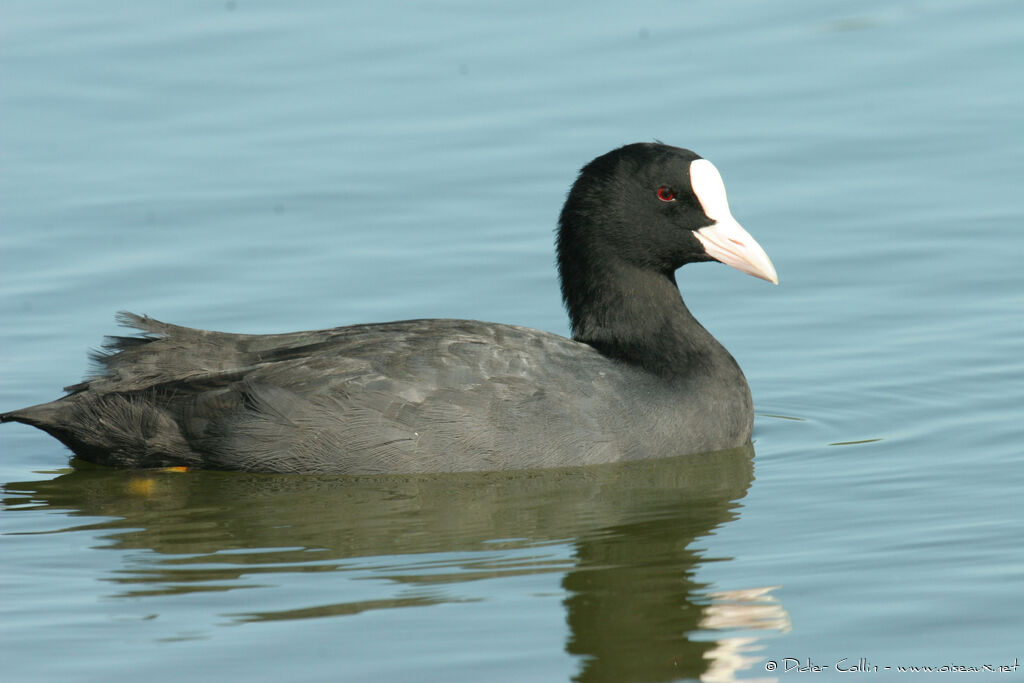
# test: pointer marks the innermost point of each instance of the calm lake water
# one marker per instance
(264, 167)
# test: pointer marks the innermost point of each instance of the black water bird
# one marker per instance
(640, 378)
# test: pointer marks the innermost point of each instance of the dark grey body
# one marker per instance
(641, 378)
(411, 396)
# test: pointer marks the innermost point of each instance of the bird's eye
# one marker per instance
(666, 194)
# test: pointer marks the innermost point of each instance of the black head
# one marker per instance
(635, 204)
(654, 207)
(640, 212)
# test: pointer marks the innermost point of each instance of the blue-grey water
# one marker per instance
(265, 167)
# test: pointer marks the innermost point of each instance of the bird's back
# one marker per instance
(417, 395)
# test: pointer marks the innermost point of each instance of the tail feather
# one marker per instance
(42, 416)
(160, 353)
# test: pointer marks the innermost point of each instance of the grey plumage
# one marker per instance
(640, 379)
(412, 396)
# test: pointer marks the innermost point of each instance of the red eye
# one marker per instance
(666, 194)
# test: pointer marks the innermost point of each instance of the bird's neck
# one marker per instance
(638, 316)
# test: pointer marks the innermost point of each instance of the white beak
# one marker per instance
(726, 240)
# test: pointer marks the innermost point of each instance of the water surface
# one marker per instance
(260, 168)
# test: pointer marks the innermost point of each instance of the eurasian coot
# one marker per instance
(640, 378)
